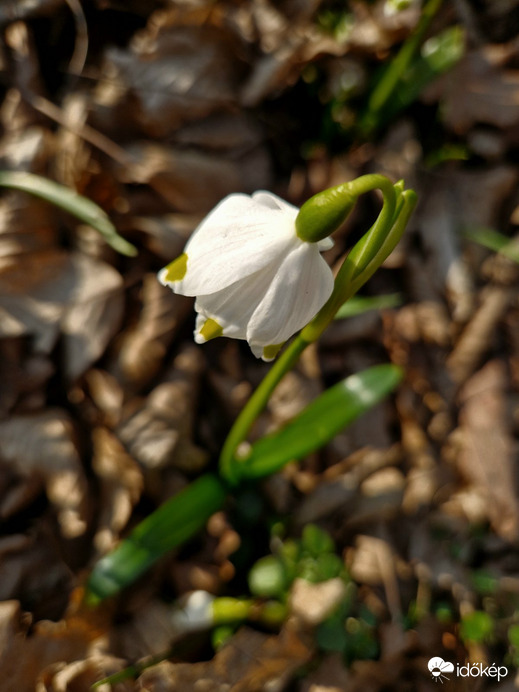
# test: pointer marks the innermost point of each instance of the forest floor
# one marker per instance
(156, 111)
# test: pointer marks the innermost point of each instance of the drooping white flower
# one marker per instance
(252, 275)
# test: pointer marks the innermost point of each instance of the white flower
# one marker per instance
(252, 276)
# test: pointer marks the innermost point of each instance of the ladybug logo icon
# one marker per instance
(438, 667)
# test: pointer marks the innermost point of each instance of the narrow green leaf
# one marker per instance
(407, 75)
(320, 421)
(170, 525)
(357, 305)
(438, 55)
(70, 201)
(494, 241)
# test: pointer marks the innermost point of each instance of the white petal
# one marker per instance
(272, 201)
(239, 237)
(302, 285)
(325, 244)
(233, 306)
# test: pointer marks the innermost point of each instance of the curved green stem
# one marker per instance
(254, 406)
(362, 254)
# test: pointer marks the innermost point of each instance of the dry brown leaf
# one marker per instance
(489, 92)
(486, 459)
(250, 662)
(29, 661)
(32, 571)
(194, 181)
(27, 225)
(79, 676)
(343, 492)
(478, 336)
(41, 446)
(142, 349)
(24, 377)
(373, 561)
(313, 603)
(164, 235)
(56, 292)
(159, 434)
(121, 486)
(451, 203)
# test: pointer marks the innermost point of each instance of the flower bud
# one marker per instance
(323, 213)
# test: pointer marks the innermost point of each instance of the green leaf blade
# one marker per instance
(170, 525)
(70, 201)
(493, 240)
(358, 305)
(321, 420)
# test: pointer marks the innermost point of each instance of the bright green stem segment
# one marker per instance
(363, 261)
(170, 525)
(367, 255)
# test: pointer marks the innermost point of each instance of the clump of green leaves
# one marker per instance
(312, 557)
(350, 630)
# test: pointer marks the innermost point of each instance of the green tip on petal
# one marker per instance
(270, 352)
(211, 329)
(323, 213)
(176, 270)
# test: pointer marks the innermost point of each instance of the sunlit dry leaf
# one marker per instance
(82, 674)
(172, 74)
(121, 485)
(49, 645)
(250, 662)
(143, 347)
(42, 445)
(486, 458)
(107, 395)
(477, 337)
(159, 434)
(292, 395)
(26, 74)
(52, 292)
(72, 152)
(330, 676)
(313, 603)
(374, 561)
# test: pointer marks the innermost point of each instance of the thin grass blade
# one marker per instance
(70, 201)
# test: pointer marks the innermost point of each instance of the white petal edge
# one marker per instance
(239, 237)
(325, 244)
(272, 201)
(301, 286)
(233, 306)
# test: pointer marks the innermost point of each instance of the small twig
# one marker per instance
(79, 56)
